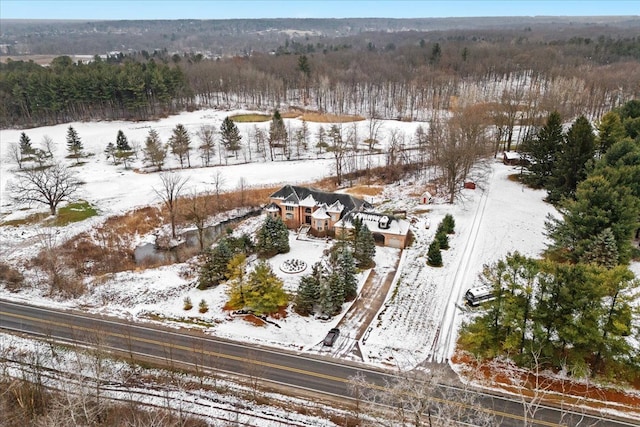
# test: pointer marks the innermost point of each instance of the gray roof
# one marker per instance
(294, 194)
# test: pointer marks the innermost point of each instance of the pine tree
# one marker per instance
(364, 245)
(277, 132)
(448, 224)
(602, 250)
(273, 237)
(122, 144)
(123, 151)
(155, 152)
(180, 143)
(542, 151)
(346, 270)
(264, 292)
(333, 296)
(74, 144)
(111, 152)
(308, 293)
(214, 265)
(230, 135)
(571, 165)
(443, 240)
(434, 257)
(598, 205)
(26, 150)
(610, 131)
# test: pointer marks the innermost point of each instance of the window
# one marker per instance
(289, 216)
(307, 210)
(289, 208)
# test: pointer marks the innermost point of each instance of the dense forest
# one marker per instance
(517, 75)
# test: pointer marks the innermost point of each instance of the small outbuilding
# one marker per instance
(470, 185)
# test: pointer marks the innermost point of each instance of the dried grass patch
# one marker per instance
(330, 118)
(364, 190)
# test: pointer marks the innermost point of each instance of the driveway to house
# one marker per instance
(358, 318)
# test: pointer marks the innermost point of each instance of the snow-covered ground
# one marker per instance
(419, 319)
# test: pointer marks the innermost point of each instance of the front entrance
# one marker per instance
(378, 238)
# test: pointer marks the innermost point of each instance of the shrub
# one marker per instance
(188, 305)
(203, 307)
(434, 257)
(448, 224)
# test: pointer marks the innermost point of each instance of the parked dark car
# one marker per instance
(331, 337)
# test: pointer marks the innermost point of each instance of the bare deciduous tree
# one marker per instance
(50, 186)
(169, 193)
(197, 212)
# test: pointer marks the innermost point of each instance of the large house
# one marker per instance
(322, 214)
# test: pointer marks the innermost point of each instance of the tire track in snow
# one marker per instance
(444, 343)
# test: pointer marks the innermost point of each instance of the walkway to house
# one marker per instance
(362, 312)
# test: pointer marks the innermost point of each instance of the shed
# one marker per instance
(470, 185)
(425, 198)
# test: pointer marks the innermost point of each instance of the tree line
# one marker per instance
(517, 82)
(32, 95)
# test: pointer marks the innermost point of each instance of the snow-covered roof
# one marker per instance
(373, 221)
(272, 207)
(295, 195)
(512, 155)
(321, 213)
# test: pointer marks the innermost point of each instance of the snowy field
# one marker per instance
(419, 319)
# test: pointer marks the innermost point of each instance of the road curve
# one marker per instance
(186, 348)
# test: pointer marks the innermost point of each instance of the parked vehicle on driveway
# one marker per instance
(476, 296)
(331, 337)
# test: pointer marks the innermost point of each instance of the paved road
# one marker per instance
(188, 348)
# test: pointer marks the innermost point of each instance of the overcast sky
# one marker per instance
(225, 9)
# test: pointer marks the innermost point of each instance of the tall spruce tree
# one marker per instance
(74, 144)
(123, 151)
(610, 131)
(362, 243)
(26, 149)
(571, 165)
(273, 237)
(155, 151)
(346, 270)
(214, 265)
(434, 256)
(277, 133)
(542, 151)
(601, 250)
(230, 135)
(180, 143)
(309, 291)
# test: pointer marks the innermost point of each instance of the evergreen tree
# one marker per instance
(123, 151)
(26, 150)
(122, 143)
(334, 294)
(230, 135)
(434, 257)
(362, 243)
(448, 224)
(571, 166)
(235, 277)
(602, 250)
(346, 270)
(180, 143)
(264, 292)
(111, 152)
(610, 131)
(273, 237)
(309, 292)
(74, 144)
(322, 140)
(542, 151)
(277, 133)
(598, 205)
(443, 240)
(214, 265)
(155, 152)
